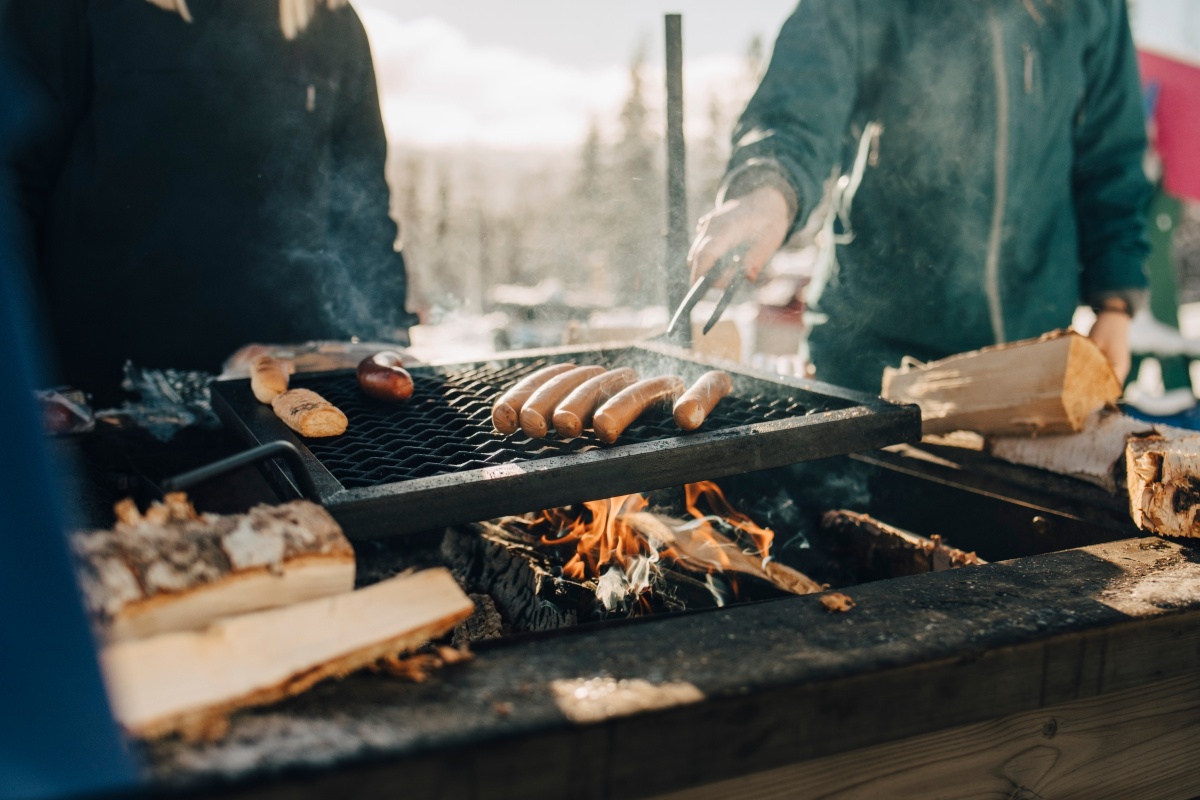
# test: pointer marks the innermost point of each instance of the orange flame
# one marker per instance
(603, 536)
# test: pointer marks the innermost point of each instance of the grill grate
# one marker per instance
(436, 460)
(446, 427)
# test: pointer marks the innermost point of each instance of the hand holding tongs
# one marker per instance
(730, 262)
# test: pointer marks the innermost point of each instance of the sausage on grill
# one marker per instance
(698, 402)
(575, 412)
(618, 413)
(506, 413)
(383, 377)
(536, 412)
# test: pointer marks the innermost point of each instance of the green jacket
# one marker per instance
(1006, 186)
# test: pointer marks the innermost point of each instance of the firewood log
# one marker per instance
(890, 552)
(1096, 454)
(172, 569)
(1163, 475)
(1049, 385)
(189, 681)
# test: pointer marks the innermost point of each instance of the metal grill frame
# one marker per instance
(429, 503)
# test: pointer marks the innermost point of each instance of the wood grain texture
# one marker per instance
(180, 681)
(1137, 743)
(172, 569)
(1048, 385)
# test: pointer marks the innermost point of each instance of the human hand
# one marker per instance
(1110, 332)
(754, 225)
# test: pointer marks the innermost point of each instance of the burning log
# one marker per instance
(518, 576)
(1049, 385)
(188, 682)
(172, 569)
(1164, 484)
(885, 551)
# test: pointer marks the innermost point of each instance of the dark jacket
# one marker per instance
(188, 188)
(1006, 186)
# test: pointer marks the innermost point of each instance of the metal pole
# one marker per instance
(677, 215)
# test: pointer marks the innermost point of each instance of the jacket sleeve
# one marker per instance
(45, 52)
(362, 233)
(1109, 186)
(793, 126)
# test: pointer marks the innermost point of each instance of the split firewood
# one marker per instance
(837, 602)
(891, 552)
(172, 569)
(1095, 455)
(189, 682)
(309, 414)
(1049, 385)
(1163, 476)
(715, 552)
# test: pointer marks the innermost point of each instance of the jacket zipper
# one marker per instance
(992, 264)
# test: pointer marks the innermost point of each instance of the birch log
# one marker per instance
(1049, 385)
(1096, 454)
(1163, 475)
(172, 569)
(188, 682)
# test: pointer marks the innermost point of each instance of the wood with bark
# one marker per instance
(1049, 385)
(885, 551)
(1096, 454)
(189, 682)
(1163, 474)
(172, 569)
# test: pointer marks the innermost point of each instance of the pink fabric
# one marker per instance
(1177, 118)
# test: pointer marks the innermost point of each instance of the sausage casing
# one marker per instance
(697, 402)
(535, 414)
(383, 377)
(625, 406)
(575, 412)
(506, 413)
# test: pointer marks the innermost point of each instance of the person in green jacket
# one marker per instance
(986, 159)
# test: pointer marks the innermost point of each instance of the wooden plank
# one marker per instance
(173, 570)
(183, 681)
(1037, 386)
(1137, 743)
(783, 682)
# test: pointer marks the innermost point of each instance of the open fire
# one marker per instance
(619, 543)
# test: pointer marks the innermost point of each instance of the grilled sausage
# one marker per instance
(698, 402)
(309, 414)
(506, 413)
(625, 406)
(535, 414)
(268, 378)
(575, 412)
(384, 377)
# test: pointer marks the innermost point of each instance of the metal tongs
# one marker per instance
(730, 262)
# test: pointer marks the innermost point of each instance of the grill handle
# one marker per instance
(261, 453)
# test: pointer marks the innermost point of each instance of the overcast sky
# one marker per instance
(532, 74)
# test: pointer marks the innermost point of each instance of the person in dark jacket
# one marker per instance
(201, 174)
(988, 158)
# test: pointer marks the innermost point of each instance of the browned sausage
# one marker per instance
(506, 413)
(698, 402)
(575, 412)
(383, 377)
(618, 413)
(538, 408)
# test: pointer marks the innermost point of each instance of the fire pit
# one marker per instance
(436, 460)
